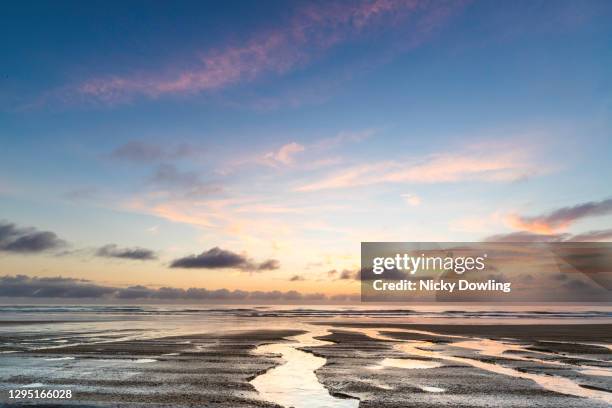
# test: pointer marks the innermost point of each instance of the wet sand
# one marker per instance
(467, 373)
(601, 333)
(34, 322)
(195, 370)
(340, 364)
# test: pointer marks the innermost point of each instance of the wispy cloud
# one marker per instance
(313, 29)
(173, 181)
(561, 218)
(471, 165)
(593, 236)
(412, 200)
(297, 156)
(246, 219)
(81, 194)
(344, 137)
(285, 155)
(526, 236)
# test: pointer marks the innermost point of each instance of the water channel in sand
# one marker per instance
(494, 348)
(294, 383)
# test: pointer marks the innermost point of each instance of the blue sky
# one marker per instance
(292, 131)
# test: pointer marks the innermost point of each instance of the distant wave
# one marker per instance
(325, 311)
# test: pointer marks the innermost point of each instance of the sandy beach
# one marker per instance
(244, 358)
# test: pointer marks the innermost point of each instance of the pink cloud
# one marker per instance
(215, 70)
(299, 157)
(412, 199)
(313, 29)
(285, 155)
(472, 164)
(560, 219)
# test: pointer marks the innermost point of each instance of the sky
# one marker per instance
(247, 148)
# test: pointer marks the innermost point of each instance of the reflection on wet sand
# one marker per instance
(597, 371)
(294, 383)
(406, 363)
(553, 383)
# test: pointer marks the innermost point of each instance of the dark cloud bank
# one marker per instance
(69, 288)
(24, 286)
(27, 240)
(217, 258)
